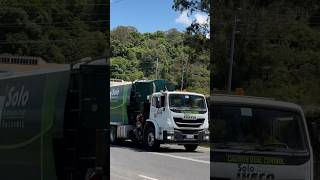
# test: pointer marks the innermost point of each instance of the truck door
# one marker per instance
(157, 108)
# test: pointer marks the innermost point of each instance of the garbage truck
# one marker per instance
(51, 123)
(260, 138)
(151, 112)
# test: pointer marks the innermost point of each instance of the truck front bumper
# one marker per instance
(185, 137)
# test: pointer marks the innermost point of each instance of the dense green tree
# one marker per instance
(56, 30)
(169, 55)
(276, 48)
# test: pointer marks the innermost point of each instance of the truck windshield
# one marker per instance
(185, 102)
(258, 128)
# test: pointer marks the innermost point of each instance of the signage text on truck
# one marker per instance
(259, 138)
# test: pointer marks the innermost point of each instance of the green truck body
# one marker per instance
(130, 97)
(52, 126)
(30, 110)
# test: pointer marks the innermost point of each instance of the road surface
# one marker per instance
(171, 162)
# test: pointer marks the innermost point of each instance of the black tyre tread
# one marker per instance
(112, 128)
(191, 147)
(156, 144)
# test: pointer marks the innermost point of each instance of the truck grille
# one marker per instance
(189, 131)
(188, 123)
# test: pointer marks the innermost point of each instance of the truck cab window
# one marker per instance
(258, 126)
(154, 101)
(163, 101)
(158, 103)
(182, 102)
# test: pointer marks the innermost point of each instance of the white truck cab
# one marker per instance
(259, 138)
(144, 113)
(179, 118)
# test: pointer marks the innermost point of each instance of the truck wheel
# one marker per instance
(190, 147)
(149, 140)
(113, 134)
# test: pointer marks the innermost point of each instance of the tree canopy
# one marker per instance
(170, 55)
(276, 48)
(56, 30)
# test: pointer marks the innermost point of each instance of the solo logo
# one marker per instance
(17, 97)
(247, 172)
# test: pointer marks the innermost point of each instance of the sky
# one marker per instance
(150, 15)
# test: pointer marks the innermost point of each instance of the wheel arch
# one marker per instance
(151, 123)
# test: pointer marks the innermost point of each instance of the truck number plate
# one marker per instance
(189, 136)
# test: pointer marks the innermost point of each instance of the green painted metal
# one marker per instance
(133, 95)
(52, 86)
(142, 89)
(32, 115)
(119, 100)
(28, 108)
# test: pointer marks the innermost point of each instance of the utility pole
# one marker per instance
(233, 36)
(157, 65)
(182, 75)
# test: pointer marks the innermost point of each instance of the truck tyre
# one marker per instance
(190, 147)
(113, 134)
(149, 141)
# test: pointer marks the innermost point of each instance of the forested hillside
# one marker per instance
(180, 57)
(277, 48)
(56, 30)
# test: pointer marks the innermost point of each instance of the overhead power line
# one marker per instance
(48, 41)
(54, 23)
(62, 13)
(48, 4)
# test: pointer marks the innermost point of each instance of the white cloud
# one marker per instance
(184, 19)
(201, 18)
(208, 35)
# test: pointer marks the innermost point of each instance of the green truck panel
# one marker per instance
(130, 97)
(28, 106)
(119, 100)
(44, 113)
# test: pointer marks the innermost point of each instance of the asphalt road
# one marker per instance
(171, 162)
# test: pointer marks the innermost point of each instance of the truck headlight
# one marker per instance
(206, 137)
(170, 137)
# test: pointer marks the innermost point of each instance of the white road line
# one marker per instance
(199, 157)
(118, 176)
(204, 149)
(180, 157)
(146, 177)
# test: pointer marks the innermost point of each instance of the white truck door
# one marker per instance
(156, 111)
